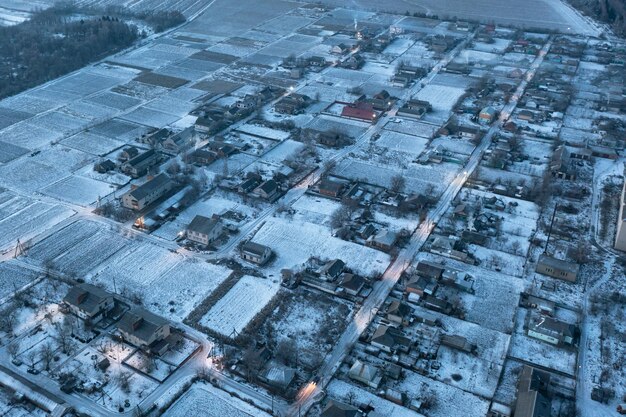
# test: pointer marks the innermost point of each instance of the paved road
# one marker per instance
(364, 316)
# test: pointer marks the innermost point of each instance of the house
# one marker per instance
(436, 304)
(551, 330)
(332, 139)
(128, 153)
(89, 302)
(421, 286)
(400, 81)
(330, 188)
(337, 409)
(560, 166)
(469, 132)
(139, 198)
(384, 240)
(429, 270)
(279, 376)
(180, 141)
(255, 253)
(353, 62)
(389, 339)
(360, 111)
(144, 329)
(340, 49)
(268, 190)
(105, 166)
(415, 109)
(205, 230)
(202, 157)
(317, 61)
(399, 313)
(463, 26)
(332, 270)
(620, 236)
(533, 398)
(292, 104)
(487, 115)
(459, 280)
(557, 268)
(543, 306)
(457, 68)
(250, 183)
(458, 342)
(351, 284)
(526, 115)
(139, 165)
(365, 374)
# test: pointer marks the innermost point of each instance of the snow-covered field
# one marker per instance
(400, 142)
(244, 301)
(205, 400)
(294, 242)
(79, 190)
(23, 218)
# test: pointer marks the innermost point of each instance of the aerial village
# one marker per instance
(330, 213)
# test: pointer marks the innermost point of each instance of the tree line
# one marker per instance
(62, 39)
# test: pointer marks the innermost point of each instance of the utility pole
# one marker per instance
(545, 250)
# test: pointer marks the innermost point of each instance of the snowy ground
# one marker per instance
(240, 305)
(294, 242)
(205, 400)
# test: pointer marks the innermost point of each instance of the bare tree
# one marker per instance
(397, 184)
(46, 353)
(123, 381)
(13, 349)
(286, 351)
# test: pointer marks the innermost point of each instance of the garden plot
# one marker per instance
(93, 143)
(327, 93)
(29, 103)
(149, 117)
(411, 127)
(28, 175)
(149, 365)
(9, 152)
(349, 393)
(205, 400)
(441, 97)
(89, 253)
(114, 100)
(137, 267)
(181, 289)
(454, 145)
(399, 46)
(14, 277)
(119, 129)
(285, 150)
(495, 176)
(449, 401)
(31, 221)
(234, 164)
(171, 106)
(263, 131)
(495, 297)
(480, 372)
(541, 353)
(232, 313)
(183, 73)
(62, 241)
(498, 46)
(79, 190)
(400, 142)
(9, 117)
(295, 242)
(90, 111)
(420, 178)
(469, 56)
(83, 83)
(315, 321)
(352, 128)
(60, 122)
(314, 209)
(29, 136)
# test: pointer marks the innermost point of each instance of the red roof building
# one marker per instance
(360, 111)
